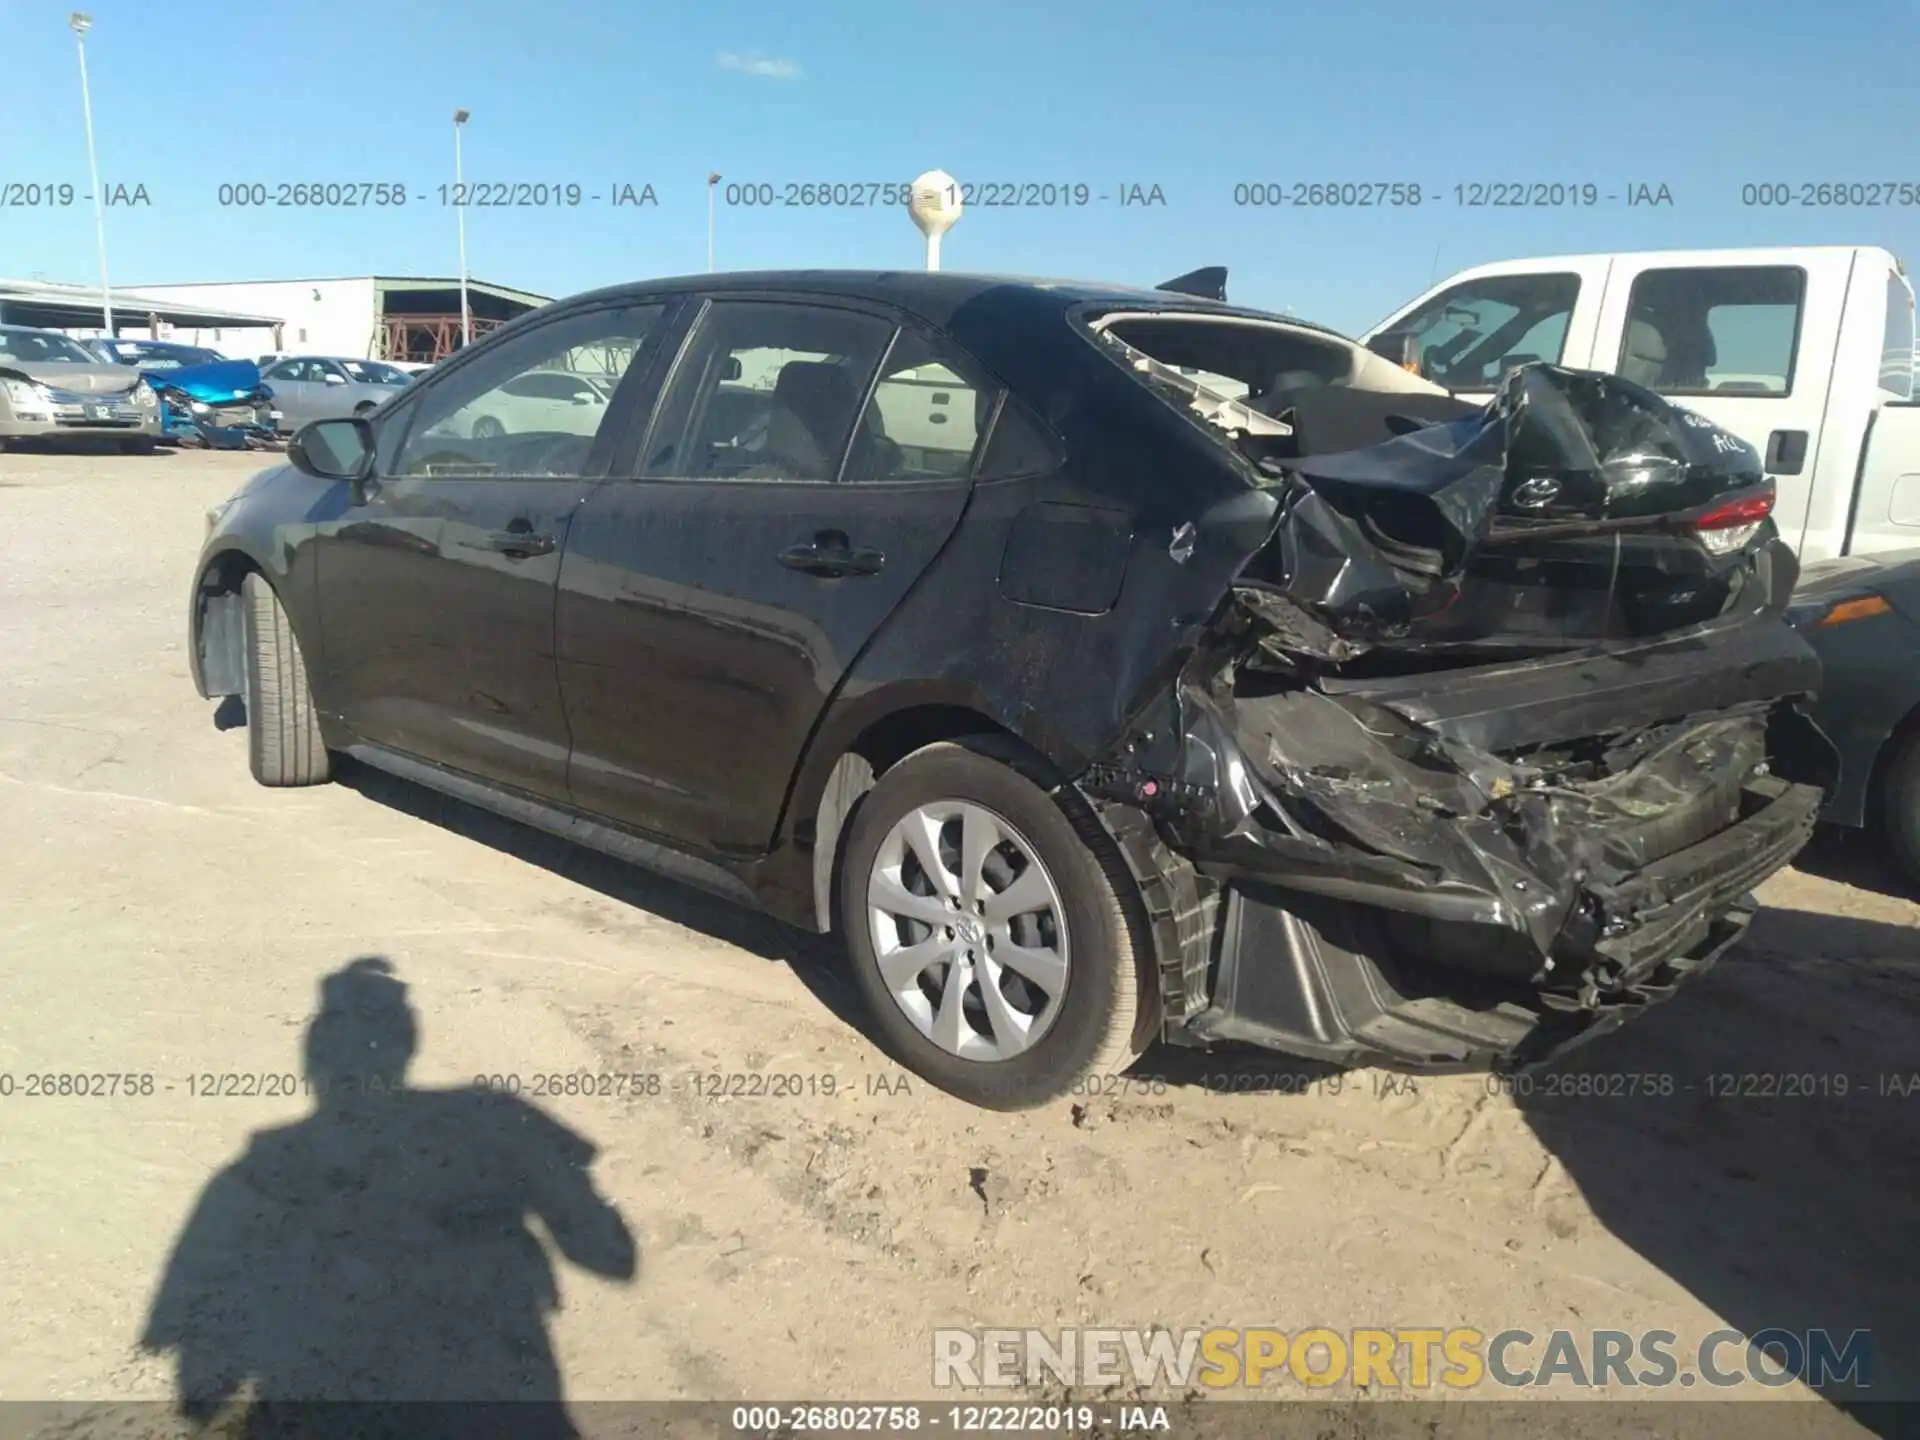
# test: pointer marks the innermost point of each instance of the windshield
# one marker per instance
(42, 347)
(372, 372)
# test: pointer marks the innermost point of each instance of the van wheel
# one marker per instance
(1899, 805)
(991, 928)
(283, 732)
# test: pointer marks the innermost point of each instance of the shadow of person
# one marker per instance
(1758, 1139)
(382, 1249)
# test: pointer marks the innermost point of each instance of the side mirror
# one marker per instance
(1402, 347)
(339, 449)
(732, 370)
(333, 379)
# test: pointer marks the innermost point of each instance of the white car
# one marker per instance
(550, 401)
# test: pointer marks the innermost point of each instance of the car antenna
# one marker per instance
(1209, 283)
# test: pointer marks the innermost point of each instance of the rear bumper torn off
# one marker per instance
(1315, 976)
(1390, 891)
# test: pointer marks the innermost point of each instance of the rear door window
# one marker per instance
(925, 417)
(1721, 330)
(1896, 345)
(766, 390)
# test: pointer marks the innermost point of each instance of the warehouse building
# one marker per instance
(77, 310)
(378, 317)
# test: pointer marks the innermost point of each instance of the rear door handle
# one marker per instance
(520, 544)
(829, 555)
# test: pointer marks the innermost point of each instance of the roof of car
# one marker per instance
(936, 295)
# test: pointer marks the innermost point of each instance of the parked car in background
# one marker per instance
(1806, 353)
(319, 387)
(1861, 614)
(54, 389)
(223, 405)
(1101, 708)
(541, 400)
(152, 354)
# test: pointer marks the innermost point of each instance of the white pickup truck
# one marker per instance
(1806, 353)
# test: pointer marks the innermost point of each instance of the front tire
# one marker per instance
(991, 929)
(283, 729)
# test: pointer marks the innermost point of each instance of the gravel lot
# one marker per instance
(162, 916)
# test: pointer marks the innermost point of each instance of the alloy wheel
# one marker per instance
(968, 929)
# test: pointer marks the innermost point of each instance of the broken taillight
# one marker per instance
(1726, 528)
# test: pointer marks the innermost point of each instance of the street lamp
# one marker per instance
(460, 209)
(80, 22)
(713, 179)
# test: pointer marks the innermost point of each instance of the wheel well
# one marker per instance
(219, 631)
(1873, 803)
(877, 749)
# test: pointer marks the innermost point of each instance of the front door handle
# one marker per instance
(830, 555)
(520, 544)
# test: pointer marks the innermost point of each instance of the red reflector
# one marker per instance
(1749, 510)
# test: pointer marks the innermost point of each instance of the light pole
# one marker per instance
(713, 179)
(460, 209)
(80, 22)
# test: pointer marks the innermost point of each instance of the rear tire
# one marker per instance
(1097, 1020)
(283, 730)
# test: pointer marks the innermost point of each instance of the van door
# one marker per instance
(1748, 344)
(1481, 323)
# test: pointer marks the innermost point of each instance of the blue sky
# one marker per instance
(1698, 95)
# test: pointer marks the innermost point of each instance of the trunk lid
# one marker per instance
(1576, 508)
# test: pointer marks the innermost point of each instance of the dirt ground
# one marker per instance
(162, 916)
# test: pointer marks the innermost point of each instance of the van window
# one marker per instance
(1474, 333)
(1896, 349)
(1726, 330)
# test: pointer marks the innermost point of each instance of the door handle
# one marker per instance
(830, 556)
(1786, 452)
(520, 544)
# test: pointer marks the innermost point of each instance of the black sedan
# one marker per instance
(1862, 615)
(1105, 665)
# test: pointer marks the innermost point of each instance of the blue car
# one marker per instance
(203, 395)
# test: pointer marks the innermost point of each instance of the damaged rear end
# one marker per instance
(1488, 742)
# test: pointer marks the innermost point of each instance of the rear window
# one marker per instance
(1468, 337)
(1722, 330)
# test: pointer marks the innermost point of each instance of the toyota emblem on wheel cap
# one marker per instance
(1537, 493)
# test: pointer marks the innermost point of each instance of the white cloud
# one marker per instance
(765, 67)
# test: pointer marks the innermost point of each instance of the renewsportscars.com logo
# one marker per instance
(1401, 1358)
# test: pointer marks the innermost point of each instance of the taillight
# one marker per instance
(1726, 528)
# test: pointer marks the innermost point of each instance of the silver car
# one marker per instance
(325, 387)
(51, 388)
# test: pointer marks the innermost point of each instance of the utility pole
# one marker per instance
(460, 208)
(80, 22)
